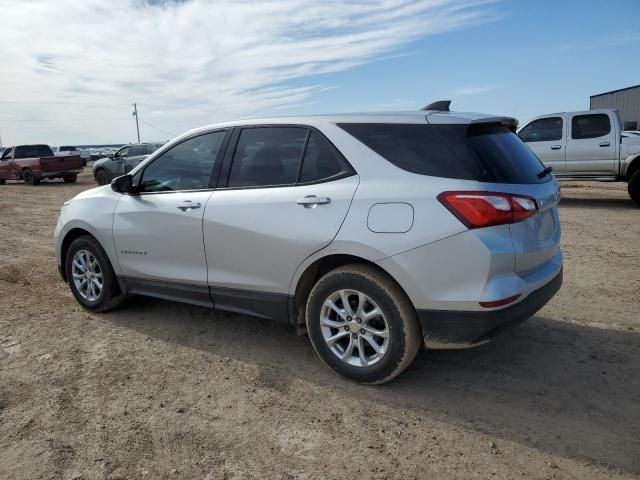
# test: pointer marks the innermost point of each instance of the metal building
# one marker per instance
(625, 100)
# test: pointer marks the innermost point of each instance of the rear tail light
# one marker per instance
(485, 209)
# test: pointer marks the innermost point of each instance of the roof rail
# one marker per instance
(439, 106)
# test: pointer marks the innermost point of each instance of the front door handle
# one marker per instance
(188, 205)
(311, 201)
(556, 147)
(605, 144)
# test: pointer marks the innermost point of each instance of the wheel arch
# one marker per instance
(69, 237)
(73, 234)
(633, 165)
(317, 268)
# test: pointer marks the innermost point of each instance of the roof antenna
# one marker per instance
(439, 106)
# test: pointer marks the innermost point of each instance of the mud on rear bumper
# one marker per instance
(463, 329)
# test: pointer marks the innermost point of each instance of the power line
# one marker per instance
(158, 129)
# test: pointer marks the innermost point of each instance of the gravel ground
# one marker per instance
(159, 390)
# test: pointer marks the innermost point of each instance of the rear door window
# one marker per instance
(590, 126)
(483, 152)
(543, 130)
(266, 156)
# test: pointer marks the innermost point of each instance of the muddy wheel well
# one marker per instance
(633, 168)
(70, 237)
(312, 274)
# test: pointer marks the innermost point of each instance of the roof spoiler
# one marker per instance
(509, 122)
(439, 106)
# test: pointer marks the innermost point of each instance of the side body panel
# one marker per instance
(156, 239)
(256, 237)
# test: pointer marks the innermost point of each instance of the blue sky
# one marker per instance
(538, 57)
(197, 62)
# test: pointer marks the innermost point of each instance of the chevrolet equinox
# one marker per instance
(376, 233)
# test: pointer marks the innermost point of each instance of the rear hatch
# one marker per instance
(503, 163)
(475, 159)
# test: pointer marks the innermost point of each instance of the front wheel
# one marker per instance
(634, 187)
(90, 275)
(101, 177)
(362, 324)
(70, 178)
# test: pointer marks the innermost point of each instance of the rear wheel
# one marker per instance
(90, 275)
(70, 178)
(101, 177)
(634, 187)
(29, 178)
(2, 181)
(362, 324)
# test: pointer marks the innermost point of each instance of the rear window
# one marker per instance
(67, 149)
(31, 151)
(590, 126)
(483, 152)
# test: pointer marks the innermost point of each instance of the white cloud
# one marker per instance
(473, 90)
(74, 67)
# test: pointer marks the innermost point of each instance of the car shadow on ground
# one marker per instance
(563, 388)
(605, 203)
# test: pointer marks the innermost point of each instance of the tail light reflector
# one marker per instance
(500, 303)
(486, 209)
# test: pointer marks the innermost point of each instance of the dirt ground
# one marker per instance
(159, 390)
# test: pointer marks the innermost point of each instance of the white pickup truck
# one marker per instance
(587, 145)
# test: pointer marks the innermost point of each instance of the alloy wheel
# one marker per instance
(87, 275)
(354, 328)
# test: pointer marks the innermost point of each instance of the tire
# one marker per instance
(109, 295)
(101, 177)
(70, 178)
(634, 187)
(2, 181)
(398, 320)
(29, 178)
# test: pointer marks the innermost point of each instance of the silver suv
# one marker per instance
(376, 233)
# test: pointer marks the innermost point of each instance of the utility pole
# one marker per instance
(135, 114)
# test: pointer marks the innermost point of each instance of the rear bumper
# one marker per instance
(463, 329)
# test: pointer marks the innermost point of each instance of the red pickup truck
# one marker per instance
(33, 163)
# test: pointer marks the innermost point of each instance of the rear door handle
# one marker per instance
(311, 201)
(556, 147)
(605, 144)
(188, 205)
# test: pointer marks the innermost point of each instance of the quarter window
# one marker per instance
(267, 156)
(542, 130)
(186, 166)
(321, 160)
(590, 126)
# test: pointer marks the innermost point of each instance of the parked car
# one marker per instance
(69, 150)
(33, 163)
(122, 161)
(587, 145)
(374, 232)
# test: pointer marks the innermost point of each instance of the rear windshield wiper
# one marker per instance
(545, 172)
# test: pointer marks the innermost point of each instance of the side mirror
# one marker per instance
(110, 156)
(123, 184)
